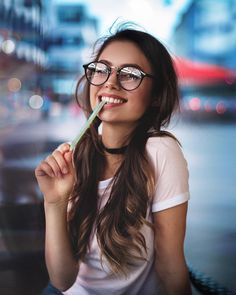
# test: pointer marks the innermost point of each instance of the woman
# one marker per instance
(116, 207)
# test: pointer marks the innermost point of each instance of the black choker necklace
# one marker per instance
(114, 151)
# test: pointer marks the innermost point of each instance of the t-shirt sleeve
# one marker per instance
(171, 173)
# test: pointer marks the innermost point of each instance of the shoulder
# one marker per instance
(170, 171)
(163, 145)
(165, 153)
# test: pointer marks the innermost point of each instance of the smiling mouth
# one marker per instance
(110, 100)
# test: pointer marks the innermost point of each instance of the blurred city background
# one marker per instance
(43, 45)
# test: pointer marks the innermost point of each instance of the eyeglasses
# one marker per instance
(129, 77)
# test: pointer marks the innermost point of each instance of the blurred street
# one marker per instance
(209, 150)
(211, 235)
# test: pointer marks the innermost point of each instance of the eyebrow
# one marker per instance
(122, 65)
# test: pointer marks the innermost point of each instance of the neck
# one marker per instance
(115, 136)
(115, 151)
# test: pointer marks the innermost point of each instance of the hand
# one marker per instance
(56, 175)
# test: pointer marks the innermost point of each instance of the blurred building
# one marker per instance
(42, 48)
(207, 32)
(21, 56)
(69, 34)
(21, 35)
(205, 40)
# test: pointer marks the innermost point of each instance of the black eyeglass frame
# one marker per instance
(143, 74)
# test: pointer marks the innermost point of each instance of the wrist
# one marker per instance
(59, 204)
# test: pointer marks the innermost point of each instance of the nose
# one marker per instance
(112, 81)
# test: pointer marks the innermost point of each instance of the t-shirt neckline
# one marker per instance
(104, 183)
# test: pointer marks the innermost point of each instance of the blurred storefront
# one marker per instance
(69, 34)
(22, 57)
(42, 47)
(207, 32)
(205, 42)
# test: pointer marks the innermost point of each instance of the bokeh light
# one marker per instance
(36, 102)
(221, 108)
(195, 104)
(14, 84)
(8, 46)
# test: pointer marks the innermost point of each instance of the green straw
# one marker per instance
(87, 124)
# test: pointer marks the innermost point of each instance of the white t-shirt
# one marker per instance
(171, 179)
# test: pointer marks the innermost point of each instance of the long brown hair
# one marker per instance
(119, 222)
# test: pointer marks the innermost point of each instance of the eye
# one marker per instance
(129, 74)
(97, 69)
(101, 69)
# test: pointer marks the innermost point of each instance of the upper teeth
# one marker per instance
(111, 99)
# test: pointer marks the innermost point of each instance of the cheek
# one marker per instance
(139, 107)
(92, 96)
(142, 101)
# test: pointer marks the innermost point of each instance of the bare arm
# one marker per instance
(171, 268)
(55, 176)
(61, 263)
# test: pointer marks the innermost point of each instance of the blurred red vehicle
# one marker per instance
(207, 90)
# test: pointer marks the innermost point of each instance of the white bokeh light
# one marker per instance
(36, 102)
(8, 46)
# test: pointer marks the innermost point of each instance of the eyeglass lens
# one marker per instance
(98, 73)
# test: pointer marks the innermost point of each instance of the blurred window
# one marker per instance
(226, 28)
(70, 14)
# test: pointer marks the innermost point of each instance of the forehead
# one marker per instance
(124, 52)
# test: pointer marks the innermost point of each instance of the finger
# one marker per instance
(44, 170)
(61, 161)
(69, 159)
(64, 147)
(51, 161)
